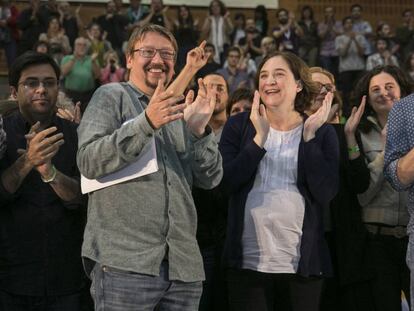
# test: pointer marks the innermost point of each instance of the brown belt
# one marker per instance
(398, 231)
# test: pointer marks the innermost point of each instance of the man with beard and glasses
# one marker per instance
(288, 32)
(140, 243)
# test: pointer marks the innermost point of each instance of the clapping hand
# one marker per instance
(198, 112)
(42, 146)
(74, 116)
(163, 107)
(355, 117)
(258, 116)
(315, 121)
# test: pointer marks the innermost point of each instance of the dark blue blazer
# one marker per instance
(318, 179)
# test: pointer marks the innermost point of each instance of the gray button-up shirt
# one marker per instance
(134, 225)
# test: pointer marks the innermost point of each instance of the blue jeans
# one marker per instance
(117, 290)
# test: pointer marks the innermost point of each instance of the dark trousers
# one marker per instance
(214, 296)
(12, 302)
(391, 275)
(256, 291)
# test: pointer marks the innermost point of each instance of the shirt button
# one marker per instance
(169, 183)
(149, 135)
(165, 157)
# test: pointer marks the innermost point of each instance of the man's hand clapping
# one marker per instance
(198, 112)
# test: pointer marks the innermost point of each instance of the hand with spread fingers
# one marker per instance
(258, 116)
(199, 111)
(316, 120)
(42, 146)
(351, 126)
(355, 117)
(164, 107)
(197, 58)
(74, 116)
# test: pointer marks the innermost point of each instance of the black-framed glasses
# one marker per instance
(150, 53)
(328, 86)
(33, 83)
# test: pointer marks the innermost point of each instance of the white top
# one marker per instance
(274, 211)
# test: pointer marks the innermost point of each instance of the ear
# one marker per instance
(13, 92)
(129, 60)
(299, 86)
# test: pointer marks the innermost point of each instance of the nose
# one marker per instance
(271, 79)
(41, 88)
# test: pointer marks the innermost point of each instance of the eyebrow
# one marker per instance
(277, 69)
(388, 83)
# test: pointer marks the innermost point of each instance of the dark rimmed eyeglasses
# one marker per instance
(150, 53)
(33, 83)
(328, 86)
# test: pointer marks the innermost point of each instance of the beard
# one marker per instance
(154, 84)
(219, 108)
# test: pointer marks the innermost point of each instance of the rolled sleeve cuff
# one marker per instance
(202, 143)
(142, 125)
(391, 173)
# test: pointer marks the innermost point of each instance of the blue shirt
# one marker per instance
(400, 140)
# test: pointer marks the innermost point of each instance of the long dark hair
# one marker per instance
(181, 22)
(362, 89)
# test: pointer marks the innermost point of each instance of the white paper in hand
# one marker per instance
(145, 164)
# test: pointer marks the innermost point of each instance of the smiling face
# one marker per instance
(325, 85)
(38, 103)
(145, 72)
(277, 85)
(383, 92)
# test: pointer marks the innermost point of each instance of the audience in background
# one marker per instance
(351, 48)
(186, 33)
(70, 22)
(261, 20)
(80, 71)
(382, 57)
(328, 30)
(288, 32)
(404, 34)
(236, 72)
(59, 44)
(309, 41)
(98, 43)
(112, 70)
(217, 29)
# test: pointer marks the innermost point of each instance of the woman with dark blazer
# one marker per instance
(281, 171)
